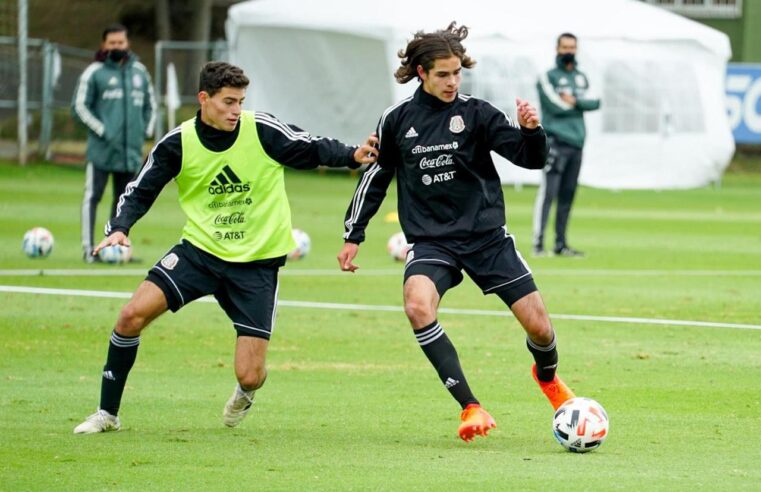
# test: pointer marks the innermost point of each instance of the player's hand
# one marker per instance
(367, 153)
(346, 255)
(527, 115)
(117, 237)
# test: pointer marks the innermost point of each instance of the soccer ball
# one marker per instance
(580, 425)
(303, 244)
(38, 242)
(115, 253)
(397, 246)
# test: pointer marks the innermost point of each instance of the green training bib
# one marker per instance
(235, 200)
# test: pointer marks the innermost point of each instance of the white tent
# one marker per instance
(327, 66)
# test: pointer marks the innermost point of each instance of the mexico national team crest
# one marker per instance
(456, 124)
(170, 261)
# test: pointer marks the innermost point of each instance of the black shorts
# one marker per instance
(490, 259)
(246, 291)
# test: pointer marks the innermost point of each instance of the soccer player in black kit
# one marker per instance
(452, 210)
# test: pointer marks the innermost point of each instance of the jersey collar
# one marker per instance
(433, 102)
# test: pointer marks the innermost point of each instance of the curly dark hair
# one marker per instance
(426, 48)
(216, 75)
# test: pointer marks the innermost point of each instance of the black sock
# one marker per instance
(122, 352)
(546, 358)
(443, 356)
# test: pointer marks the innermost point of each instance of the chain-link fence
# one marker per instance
(53, 71)
(176, 78)
(9, 17)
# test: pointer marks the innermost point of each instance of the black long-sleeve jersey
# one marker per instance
(447, 184)
(286, 144)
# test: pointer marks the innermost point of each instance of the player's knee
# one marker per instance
(418, 311)
(130, 322)
(542, 334)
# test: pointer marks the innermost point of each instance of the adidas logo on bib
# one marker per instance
(227, 182)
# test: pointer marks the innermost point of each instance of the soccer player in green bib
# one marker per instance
(228, 164)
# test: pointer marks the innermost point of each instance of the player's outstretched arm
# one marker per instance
(293, 147)
(346, 255)
(117, 237)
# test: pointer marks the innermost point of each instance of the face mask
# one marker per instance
(117, 55)
(566, 58)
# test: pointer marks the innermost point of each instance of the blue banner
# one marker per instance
(744, 102)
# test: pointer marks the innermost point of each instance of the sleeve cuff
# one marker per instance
(530, 132)
(351, 163)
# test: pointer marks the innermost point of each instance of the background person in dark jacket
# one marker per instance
(563, 98)
(114, 100)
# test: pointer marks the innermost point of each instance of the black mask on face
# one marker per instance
(566, 58)
(117, 55)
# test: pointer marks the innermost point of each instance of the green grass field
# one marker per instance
(351, 403)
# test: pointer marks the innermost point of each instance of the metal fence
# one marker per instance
(175, 78)
(702, 9)
(52, 73)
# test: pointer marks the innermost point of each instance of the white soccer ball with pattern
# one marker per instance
(580, 425)
(38, 242)
(303, 244)
(397, 246)
(115, 254)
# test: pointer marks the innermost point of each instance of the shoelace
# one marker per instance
(239, 405)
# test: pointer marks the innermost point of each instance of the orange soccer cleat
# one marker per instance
(556, 390)
(475, 421)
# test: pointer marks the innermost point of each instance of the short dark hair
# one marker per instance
(216, 75)
(566, 35)
(113, 28)
(426, 48)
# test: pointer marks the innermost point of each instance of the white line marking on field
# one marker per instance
(334, 272)
(376, 307)
(651, 273)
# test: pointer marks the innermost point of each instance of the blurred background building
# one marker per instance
(738, 19)
(173, 38)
